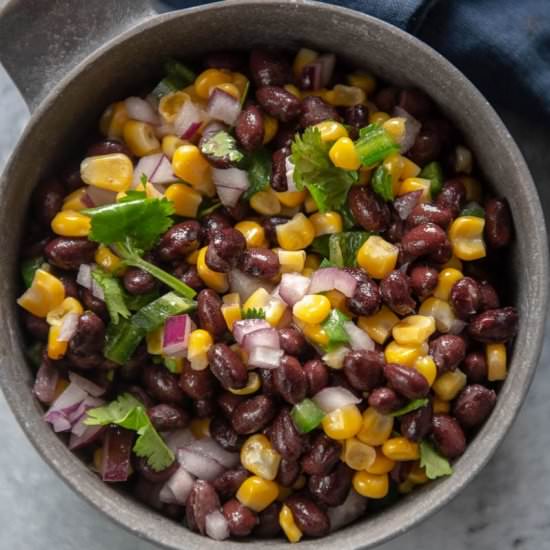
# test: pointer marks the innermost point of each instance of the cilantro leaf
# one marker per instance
(347, 217)
(433, 172)
(381, 183)
(207, 206)
(313, 169)
(434, 464)
(374, 145)
(343, 247)
(114, 294)
(134, 302)
(151, 446)
(334, 327)
(116, 412)
(412, 406)
(473, 209)
(253, 313)
(29, 268)
(223, 146)
(320, 246)
(258, 166)
(325, 262)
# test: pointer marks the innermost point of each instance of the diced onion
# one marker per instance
(200, 466)
(358, 338)
(291, 184)
(189, 120)
(156, 168)
(99, 197)
(244, 285)
(216, 525)
(178, 439)
(265, 358)
(139, 109)
(330, 278)
(66, 404)
(412, 129)
(335, 397)
(84, 276)
(69, 324)
(86, 385)
(335, 359)
(223, 106)
(246, 326)
(405, 204)
(177, 488)
(266, 337)
(293, 287)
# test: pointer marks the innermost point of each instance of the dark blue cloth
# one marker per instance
(503, 46)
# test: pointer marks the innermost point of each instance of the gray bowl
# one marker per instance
(68, 85)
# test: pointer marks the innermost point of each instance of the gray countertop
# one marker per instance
(506, 507)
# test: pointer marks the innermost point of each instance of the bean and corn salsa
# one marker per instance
(265, 297)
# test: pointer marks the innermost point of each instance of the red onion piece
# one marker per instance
(330, 278)
(335, 359)
(178, 439)
(139, 109)
(207, 447)
(156, 168)
(265, 358)
(59, 414)
(88, 403)
(46, 382)
(69, 324)
(266, 337)
(163, 173)
(117, 449)
(335, 397)
(412, 129)
(89, 435)
(192, 130)
(404, 204)
(200, 466)
(188, 120)
(293, 287)
(86, 385)
(327, 62)
(223, 106)
(353, 507)
(246, 326)
(177, 488)
(358, 338)
(175, 335)
(244, 285)
(216, 526)
(99, 197)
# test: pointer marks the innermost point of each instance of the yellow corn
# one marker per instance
(382, 464)
(56, 349)
(404, 355)
(192, 257)
(378, 117)
(454, 262)
(417, 184)
(313, 261)
(447, 279)
(310, 205)
(315, 334)
(312, 309)
(327, 223)
(170, 144)
(293, 90)
(291, 261)
(209, 79)
(113, 120)
(154, 340)
(265, 203)
(440, 406)
(343, 154)
(365, 81)
(113, 172)
(241, 82)
(73, 201)
(232, 299)
(331, 130)
(466, 236)
(379, 326)
(69, 223)
(304, 57)
(186, 201)
(200, 427)
(338, 301)
(140, 138)
(427, 368)
(371, 485)
(291, 199)
(271, 125)
(46, 293)
(358, 455)
(308, 272)
(229, 88)
(68, 305)
(296, 234)
(410, 169)
(200, 341)
(257, 300)
(394, 165)
(288, 525)
(400, 448)
(344, 96)
(213, 279)
(170, 105)
(448, 385)
(190, 165)
(375, 427)
(473, 189)
(231, 313)
(418, 475)
(342, 423)
(413, 330)
(377, 257)
(395, 126)
(441, 311)
(190, 91)
(253, 384)
(274, 311)
(253, 233)
(495, 355)
(259, 457)
(107, 259)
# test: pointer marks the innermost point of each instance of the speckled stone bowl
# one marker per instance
(71, 58)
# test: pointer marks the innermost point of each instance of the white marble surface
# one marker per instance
(506, 507)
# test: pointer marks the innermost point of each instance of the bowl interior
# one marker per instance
(121, 67)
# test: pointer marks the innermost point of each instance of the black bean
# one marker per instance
(285, 438)
(364, 369)
(278, 179)
(229, 244)
(190, 276)
(89, 301)
(253, 414)
(108, 147)
(260, 262)
(322, 456)
(366, 299)
(424, 239)
(416, 425)
(315, 110)
(331, 489)
(423, 280)
(202, 500)
(268, 526)
(386, 98)
(357, 117)
(270, 224)
(138, 281)
(385, 400)
(228, 482)
(289, 380)
(249, 128)
(310, 518)
(488, 297)
(142, 466)
(279, 102)
(180, 240)
(228, 402)
(86, 345)
(316, 376)
(406, 381)
(197, 384)
(70, 253)
(427, 212)
(209, 312)
(240, 519)
(215, 221)
(395, 290)
(426, 148)
(494, 325)
(222, 432)
(162, 385)
(37, 327)
(448, 351)
(292, 341)
(227, 367)
(498, 223)
(415, 102)
(465, 297)
(448, 436)
(473, 405)
(269, 68)
(369, 211)
(204, 408)
(475, 367)
(47, 200)
(167, 417)
(452, 196)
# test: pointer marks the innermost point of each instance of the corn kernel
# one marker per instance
(68, 305)
(413, 330)
(230, 89)
(292, 199)
(210, 79)
(257, 300)
(379, 326)
(381, 464)
(410, 169)
(113, 120)
(265, 203)
(171, 104)
(342, 423)
(473, 189)
(417, 184)
(427, 368)
(200, 341)
(69, 223)
(343, 154)
(345, 96)
(186, 201)
(313, 261)
(190, 165)
(315, 334)
(169, 145)
(404, 355)
(440, 406)
(288, 525)
(113, 172)
(447, 279)
(190, 91)
(231, 313)
(275, 311)
(331, 130)
(400, 449)
(304, 57)
(371, 485)
(296, 234)
(448, 385)
(394, 165)
(140, 138)
(253, 384)
(495, 356)
(441, 311)
(378, 117)
(375, 427)
(362, 80)
(290, 88)
(154, 340)
(107, 259)
(327, 223)
(357, 455)
(310, 205)
(45, 293)
(308, 272)
(454, 262)
(253, 233)
(338, 301)
(73, 201)
(213, 279)
(200, 427)
(312, 309)
(466, 236)
(56, 349)
(291, 261)
(232, 299)
(271, 126)
(395, 126)
(259, 457)
(418, 475)
(377, 257)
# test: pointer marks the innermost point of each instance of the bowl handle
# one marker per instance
(40, 42)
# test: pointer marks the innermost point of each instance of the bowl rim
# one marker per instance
(138, 519)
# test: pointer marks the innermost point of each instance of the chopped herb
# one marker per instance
(343, 247)
(253, 313)
(381, 183)
(178, 76)
(433, 172)
(34, 353)
(313, 169)
(221, 145)
(412, 406)
(207, 207)
(434, 464)
(325, 262)
(130, 413)
(306, 415)
(172, 364)
(374, 145)
(258, 166)
(153, 315)
(334, 327)
(347, 217)
(134, 302)
(114, 294)
(320, 245)
(29, 268)
(121, 341)
(473, 209)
